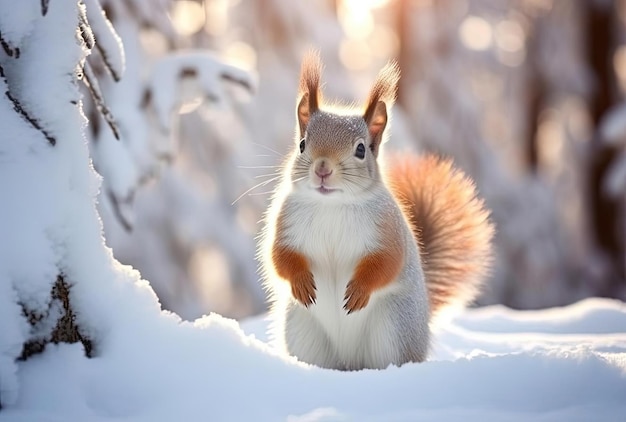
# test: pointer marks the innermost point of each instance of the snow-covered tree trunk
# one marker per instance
(50, 233)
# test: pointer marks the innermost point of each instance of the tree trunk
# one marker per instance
(601, 45)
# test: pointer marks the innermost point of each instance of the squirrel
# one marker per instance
(358, 257)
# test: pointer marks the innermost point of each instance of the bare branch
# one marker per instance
(239, 81)
(44, 7)
(10, 51)
(91, 82)
(117, 211)
(107, 62)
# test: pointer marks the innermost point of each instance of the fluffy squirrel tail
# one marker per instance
(450, 223)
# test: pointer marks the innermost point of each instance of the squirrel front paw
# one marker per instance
(303, 289)
(356, 297)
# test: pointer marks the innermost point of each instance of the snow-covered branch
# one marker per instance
(19, 109)
(204, 67)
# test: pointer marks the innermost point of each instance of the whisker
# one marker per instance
(260, 193)
(360, 176)
(258, 167)
(264, 183)
(268, 149)
(267, 175)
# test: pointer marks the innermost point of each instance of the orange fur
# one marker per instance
(450, 224)
(310, 74)
(381, 97)
(310, 95)
(375, 270)
(293, 267)
(384, 89)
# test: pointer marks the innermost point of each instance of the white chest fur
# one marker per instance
(334, 237)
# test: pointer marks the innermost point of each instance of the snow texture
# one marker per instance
(42, 154)
(489, 364)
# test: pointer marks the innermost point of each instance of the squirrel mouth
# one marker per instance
(324, 190)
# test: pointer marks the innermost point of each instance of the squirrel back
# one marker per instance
(358, 257)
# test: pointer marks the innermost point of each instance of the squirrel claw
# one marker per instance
(303, 289)
(355, 298)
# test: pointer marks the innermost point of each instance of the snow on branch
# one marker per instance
(17, 21)
(208, 71)
(91, 82)
(10, 51)
(108, 42)
(19, 109)
(85, 30)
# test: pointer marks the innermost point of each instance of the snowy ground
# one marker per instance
(490, 364)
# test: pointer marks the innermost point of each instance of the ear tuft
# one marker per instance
(381, 97)
(310, 73)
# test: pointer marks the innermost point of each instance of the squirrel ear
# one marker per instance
(310, 73)
(305, 109)
(376, 119)
(382, 95)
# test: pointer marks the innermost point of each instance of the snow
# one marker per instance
(35, 218)
(203, 65)
(17, 22)
(563, 364)
(150, 365)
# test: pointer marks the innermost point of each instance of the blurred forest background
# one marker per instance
(526, 95)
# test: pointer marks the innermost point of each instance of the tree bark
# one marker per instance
(601, 44)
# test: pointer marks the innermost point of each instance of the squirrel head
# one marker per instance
(336, 151)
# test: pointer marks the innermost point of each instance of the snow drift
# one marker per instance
(564, 364)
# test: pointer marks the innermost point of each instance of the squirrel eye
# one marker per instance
(302, 145)
(360, 151)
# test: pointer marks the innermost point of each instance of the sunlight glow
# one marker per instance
(619, 63)
(476, 33)
(187, 17)
(384, 42)
(509, 35)
(357, 23)
(550, 138)
(208, 268)
(364, 37)
(364, 4)
(216, 16)
(511, 42)
(241, 54)
(355, 54)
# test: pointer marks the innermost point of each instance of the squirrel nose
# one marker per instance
(323, 172)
